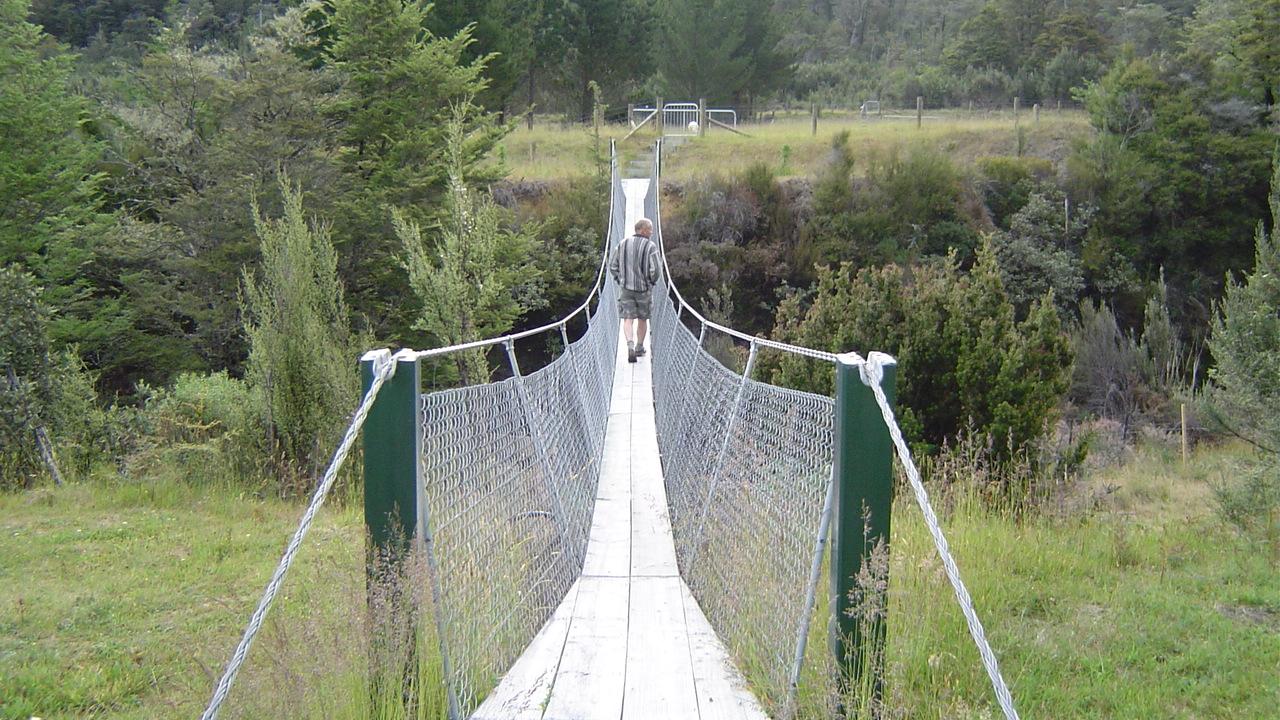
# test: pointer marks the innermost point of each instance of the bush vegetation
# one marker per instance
(964, 361)
(1244, 391)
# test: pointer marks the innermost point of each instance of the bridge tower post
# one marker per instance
(863, 482)
(395, 503)
(392, 445)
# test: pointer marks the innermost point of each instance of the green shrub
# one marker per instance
(205, 427)
(963, 360)
(730, 244)
(25, 377)
(1040, 252)
(1131, 378)
(1008, 182)
(911, 204)
(91, 437)
(302, 350)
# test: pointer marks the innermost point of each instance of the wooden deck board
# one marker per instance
(589, 680)
(524, 691)
(659, 670)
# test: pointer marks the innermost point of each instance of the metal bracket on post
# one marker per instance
(862, 468)
(724, 449)
(395, 499)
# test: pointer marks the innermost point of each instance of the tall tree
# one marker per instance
(504, 31)
(400, 83)
(606, 42)
(47, 184)
(723, 50)
(1260, 48)
(51, 218)
(478, 276)
(197, 133)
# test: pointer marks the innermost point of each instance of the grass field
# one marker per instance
(788, 145)
(1132, 600)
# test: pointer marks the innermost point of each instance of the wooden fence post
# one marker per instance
(1184, 435)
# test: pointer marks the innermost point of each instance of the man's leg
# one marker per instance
(628, 330)
(642, 326)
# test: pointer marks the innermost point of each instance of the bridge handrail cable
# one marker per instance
(684, 304)
(512, 337)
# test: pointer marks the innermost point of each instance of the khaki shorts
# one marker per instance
(633, 304)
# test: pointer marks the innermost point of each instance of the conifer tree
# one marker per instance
(1245, 342)
(477, 277)
(400, 83)
(46, 160)
(302, 349)
(1244, 396)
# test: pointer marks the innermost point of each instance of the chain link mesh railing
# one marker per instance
(747, 467)
(510, 471)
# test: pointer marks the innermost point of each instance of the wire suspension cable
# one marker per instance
(682, 303)
(872, 373)
(384, 368)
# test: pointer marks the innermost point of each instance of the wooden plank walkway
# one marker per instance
(629, 641)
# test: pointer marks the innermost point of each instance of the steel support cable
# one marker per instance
(872, 373)
(384, 368)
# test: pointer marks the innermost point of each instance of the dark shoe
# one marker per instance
(640, 351)
(631, 353)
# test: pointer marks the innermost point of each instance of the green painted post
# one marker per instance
(392, 440)
(863, 476)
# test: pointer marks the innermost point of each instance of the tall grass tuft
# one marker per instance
(348, 643)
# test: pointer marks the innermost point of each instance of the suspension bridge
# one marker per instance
(606, 539)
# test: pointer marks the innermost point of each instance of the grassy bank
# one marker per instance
(1147, 606)
(1128, 599)
(125, 601)
(789, 145)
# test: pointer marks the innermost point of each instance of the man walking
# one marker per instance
(634, 266)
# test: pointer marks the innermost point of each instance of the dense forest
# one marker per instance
(217, 204)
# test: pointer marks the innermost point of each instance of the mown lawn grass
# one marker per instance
(550, 152)
(1130, 600)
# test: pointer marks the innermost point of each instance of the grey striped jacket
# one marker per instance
(635, 264)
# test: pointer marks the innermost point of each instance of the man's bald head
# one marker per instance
(644, 227)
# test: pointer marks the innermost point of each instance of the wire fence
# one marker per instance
(509, 472)
(747, 468)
